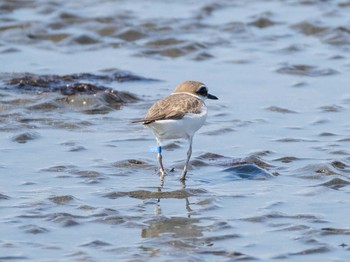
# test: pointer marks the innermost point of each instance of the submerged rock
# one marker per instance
(247, 171)
(262, 22)
(61, 200)
(85, 92)
(25, 137)
(84, 83)
(306, 70)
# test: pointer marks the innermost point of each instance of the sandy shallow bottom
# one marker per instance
(269, 176)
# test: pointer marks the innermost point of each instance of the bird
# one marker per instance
(178, 116)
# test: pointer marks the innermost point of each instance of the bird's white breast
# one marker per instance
(179, 128)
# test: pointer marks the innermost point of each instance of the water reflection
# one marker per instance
(177, 227)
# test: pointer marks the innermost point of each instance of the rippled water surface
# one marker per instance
(269, 175)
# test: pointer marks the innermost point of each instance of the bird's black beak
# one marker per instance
(209, 96)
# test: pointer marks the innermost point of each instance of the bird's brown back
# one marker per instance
(174, 106)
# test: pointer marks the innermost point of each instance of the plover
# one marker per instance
(178, 116)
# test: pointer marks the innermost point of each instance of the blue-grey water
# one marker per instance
(269, 176)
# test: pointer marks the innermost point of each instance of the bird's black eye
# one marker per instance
(203, 91)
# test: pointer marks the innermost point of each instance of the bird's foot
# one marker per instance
(183, 175)
(162, 173)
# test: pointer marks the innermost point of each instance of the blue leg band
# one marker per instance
(159, 149)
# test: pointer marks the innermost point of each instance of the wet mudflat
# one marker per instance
(269, 176)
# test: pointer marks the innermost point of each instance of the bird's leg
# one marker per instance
(189, 153)
(160, 158)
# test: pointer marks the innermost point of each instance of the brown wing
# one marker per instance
(172, 107)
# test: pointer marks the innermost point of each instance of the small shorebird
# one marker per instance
(177, 116)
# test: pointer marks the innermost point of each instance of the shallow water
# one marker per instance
(269, 176)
